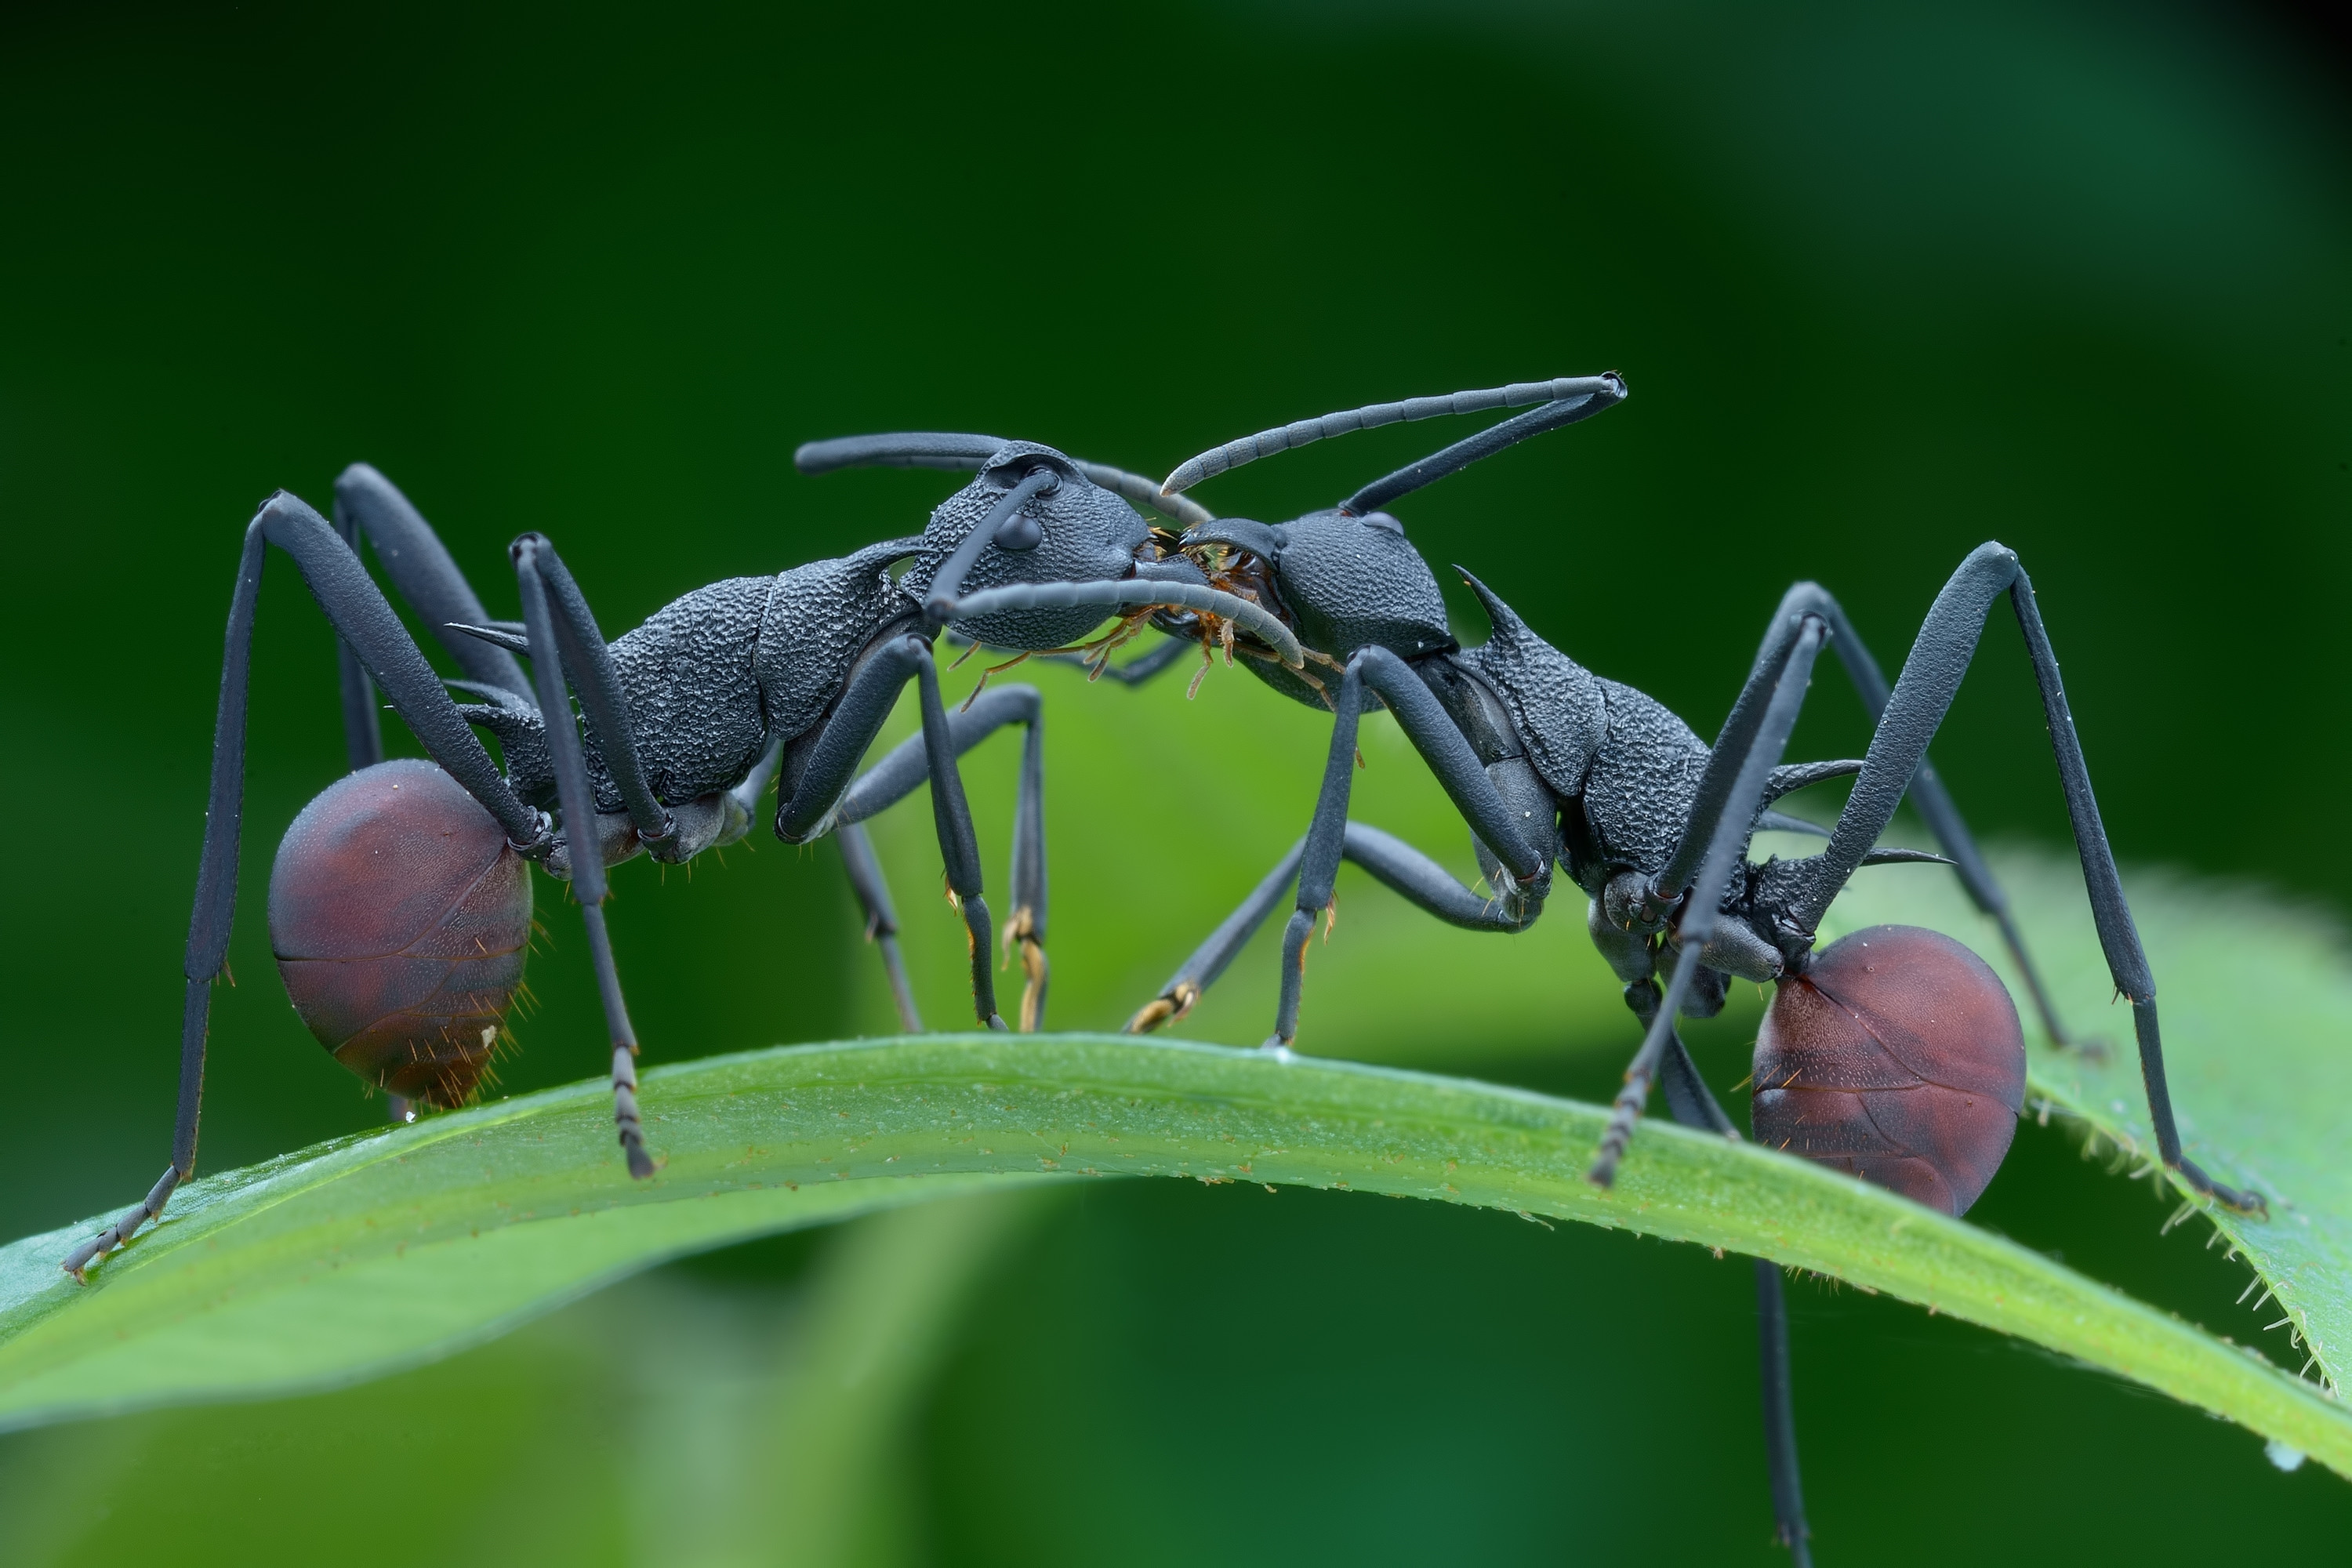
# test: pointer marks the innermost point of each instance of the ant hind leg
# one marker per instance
(1923, 694)
(364, 620)
(1935, 803)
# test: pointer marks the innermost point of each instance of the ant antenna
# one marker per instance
(1589, 393)
(903, 449)
(1182, 510)
(1486, 444)
(939, 449)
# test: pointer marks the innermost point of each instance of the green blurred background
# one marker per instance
(1887, 281)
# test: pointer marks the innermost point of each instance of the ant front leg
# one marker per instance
(1923, 694)
(1135, 671)
(1440, 744)
(951, 817)
(362, 617)
(1420, 880)
(897, 775)
(848, 730)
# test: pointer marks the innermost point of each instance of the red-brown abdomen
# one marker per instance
(1897, 1058)
(401, 920)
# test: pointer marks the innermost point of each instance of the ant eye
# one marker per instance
(1020, 532)
(1009, 522)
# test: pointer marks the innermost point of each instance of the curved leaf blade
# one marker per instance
(2256, 1001)
(384, 1250)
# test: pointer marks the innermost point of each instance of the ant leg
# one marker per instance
(903, 770)
(866, 882)
(1923, 692)
(881, 919)
(568, 627)
(1318, 863)
(896, 775)
(356, 608)
(1424, 883)
(855, 722)
(561, 645)
(1209, 961)
(420, 565)
(367, 504)
(1726, 763)
(363, 727)
(952, 815)
(1025, 927)
(1934, 801)
(1433, 734)
(1135, 671)
(1634, 958)
(1694, 1105)
(1780, 1415)
(1427, 885)
(1440, 744)
(1730, 792)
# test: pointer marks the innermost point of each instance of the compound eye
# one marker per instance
(1009, 522)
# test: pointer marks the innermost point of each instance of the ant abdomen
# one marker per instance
(401, 918)
(1897, 1058)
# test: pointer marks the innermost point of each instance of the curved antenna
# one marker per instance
(942, 449)
(1266, 443)
(1129, 593)
(1182, 510)
(1486, 444)
(901, 449)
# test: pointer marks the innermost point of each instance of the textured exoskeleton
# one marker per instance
(398, 903)
(1553, 765)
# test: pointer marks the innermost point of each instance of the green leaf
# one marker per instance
(768, 1433)
(2255, 996)
(881, 1316)
(382, 1251)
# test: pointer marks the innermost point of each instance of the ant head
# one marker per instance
(1032, 516)
(1345, 579)
(1341, 582)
